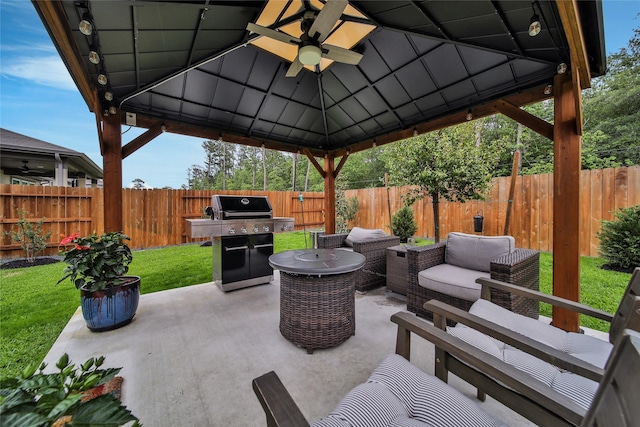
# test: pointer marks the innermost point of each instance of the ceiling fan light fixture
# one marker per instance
(108, 95)
(102, 79)
(310, 55)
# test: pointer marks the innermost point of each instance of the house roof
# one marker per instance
(40, 157)
(194, 67)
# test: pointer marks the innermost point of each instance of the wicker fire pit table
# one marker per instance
(317, 303)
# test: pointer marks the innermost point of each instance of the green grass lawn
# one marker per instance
(34, 310)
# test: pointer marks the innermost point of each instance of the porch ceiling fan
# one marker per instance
(316, 27)
(25, 168)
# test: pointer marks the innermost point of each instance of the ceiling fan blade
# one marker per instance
(295, 68)
(268, 32)
(340, 54)
(327, 18)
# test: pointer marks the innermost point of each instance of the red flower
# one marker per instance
(67, 240)
(82, 248)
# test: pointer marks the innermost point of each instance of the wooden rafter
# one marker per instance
(570, 17)
(527, 119)
(143, 139)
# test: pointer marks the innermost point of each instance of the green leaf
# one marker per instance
(104, 410)
(24, 420)
(62, 408)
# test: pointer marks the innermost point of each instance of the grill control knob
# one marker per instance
(232, 231)
(255, 229)
(266, 229)
(243, 230)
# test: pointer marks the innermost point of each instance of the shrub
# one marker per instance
(346, 208)
(30, 236)
(620, 239)
(404, 225)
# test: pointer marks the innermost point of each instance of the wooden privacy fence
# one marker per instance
(603, 192)
(151, 218)
(155, 218)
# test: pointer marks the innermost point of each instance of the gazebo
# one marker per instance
(330, 78)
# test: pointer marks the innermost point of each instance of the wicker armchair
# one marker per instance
(521, 267)
(373, 273)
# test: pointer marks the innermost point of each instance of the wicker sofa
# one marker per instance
(372, 243)
(447, 272)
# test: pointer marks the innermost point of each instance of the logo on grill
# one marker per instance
(244, 201)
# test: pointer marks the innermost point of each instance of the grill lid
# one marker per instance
(241, 207)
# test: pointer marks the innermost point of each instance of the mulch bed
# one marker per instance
(23, 263)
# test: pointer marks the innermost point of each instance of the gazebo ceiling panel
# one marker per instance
(195, 63)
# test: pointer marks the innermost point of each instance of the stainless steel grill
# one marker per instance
(241, 230)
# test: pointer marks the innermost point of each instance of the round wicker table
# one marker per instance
(317, 302)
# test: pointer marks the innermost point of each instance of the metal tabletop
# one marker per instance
(317, 261)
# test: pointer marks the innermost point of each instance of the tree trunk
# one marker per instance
(436, 217)
(254, 161)
(306, 178)
(224, 166)
(264, 169)
(293, 172)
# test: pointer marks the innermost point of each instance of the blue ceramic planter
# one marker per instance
(111, 308)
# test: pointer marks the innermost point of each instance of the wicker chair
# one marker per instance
(374, 271)
(520, 266)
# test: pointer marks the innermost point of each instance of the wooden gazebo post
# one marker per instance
(112, 172)
(329, 194)
(566, 198)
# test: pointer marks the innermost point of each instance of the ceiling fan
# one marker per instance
(316, 27)
(25, 168)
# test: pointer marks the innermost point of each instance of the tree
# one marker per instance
(445, 164)
(138, 184)
(365, 169)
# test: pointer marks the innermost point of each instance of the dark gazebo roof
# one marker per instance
(191, 66)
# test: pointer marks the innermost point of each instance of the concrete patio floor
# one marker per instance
(190, 354)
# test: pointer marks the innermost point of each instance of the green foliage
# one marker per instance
(31, 237)
(448, 164)
(346, 209)
(404, 224)
(37, 399)
(96, 262)
(620, 239)
(365, 169)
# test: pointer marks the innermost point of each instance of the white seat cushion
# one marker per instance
(452, 280)
(401, 395)
(585, 347)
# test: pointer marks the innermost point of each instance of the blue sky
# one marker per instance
(39, 99)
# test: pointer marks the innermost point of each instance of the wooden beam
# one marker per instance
(527, 119)
(143, 139)
(566, 202)
(575, 78)
(341, 164)
(213, 134)
(55, 18)
(112, 174)
(570, 18)
(329, 195)
(314, 162)
(530, 96)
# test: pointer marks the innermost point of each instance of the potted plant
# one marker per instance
(97, 266)
(76, 395)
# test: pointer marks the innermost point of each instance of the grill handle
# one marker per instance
(237, 248)
(266, 245)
